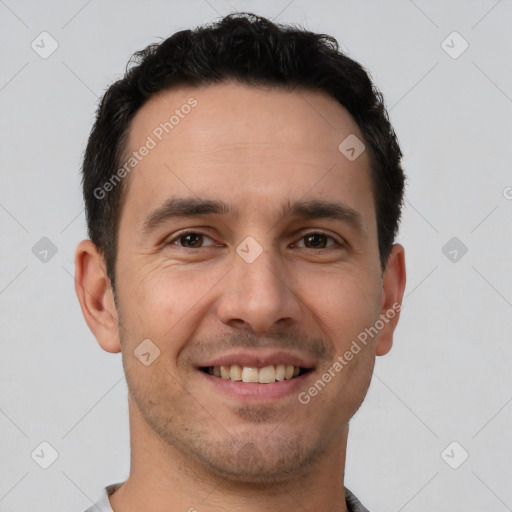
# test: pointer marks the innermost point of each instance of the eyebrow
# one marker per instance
(320, 209)
(195, 207)
(183, 207)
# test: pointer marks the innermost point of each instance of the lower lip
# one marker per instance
(257, 392)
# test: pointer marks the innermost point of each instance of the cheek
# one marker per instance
(160, 300)
(344, 302)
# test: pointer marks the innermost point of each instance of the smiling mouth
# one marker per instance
(250, 374)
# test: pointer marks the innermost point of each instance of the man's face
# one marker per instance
(255, 285)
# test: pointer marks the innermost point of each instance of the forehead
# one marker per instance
(236, 113)
(248, 143)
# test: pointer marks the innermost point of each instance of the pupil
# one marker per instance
(312, 238)
(191, 239)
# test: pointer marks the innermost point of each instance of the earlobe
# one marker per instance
(95, 295)
(393, 287)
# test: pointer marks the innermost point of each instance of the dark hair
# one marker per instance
(251, 50)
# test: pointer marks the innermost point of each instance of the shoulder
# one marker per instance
(353, 504)
(103, 503)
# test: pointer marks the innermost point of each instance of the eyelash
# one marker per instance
(192, 232)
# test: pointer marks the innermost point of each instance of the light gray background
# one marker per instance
(448, 376)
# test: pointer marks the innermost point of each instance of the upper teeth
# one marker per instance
(265, 375)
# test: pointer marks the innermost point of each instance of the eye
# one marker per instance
(318, 241)
(190, 240)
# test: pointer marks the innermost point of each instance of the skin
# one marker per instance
(193, 447)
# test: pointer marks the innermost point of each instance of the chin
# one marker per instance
(259, 462)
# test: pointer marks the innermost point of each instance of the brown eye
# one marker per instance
(318, 240)
(191, 240)
(315, 241)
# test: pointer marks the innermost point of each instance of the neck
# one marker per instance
(164, 479)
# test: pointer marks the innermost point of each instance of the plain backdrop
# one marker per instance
(442, 394)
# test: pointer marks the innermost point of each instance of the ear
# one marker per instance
(95, 295)
(393, 286)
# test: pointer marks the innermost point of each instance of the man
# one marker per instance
(243, 190)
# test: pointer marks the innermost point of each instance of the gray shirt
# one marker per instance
(103, 504)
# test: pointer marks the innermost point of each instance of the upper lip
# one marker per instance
(258, 359)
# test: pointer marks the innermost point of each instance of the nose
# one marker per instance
(258, 296)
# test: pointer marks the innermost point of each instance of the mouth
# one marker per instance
(256, 376)
(268, 374)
